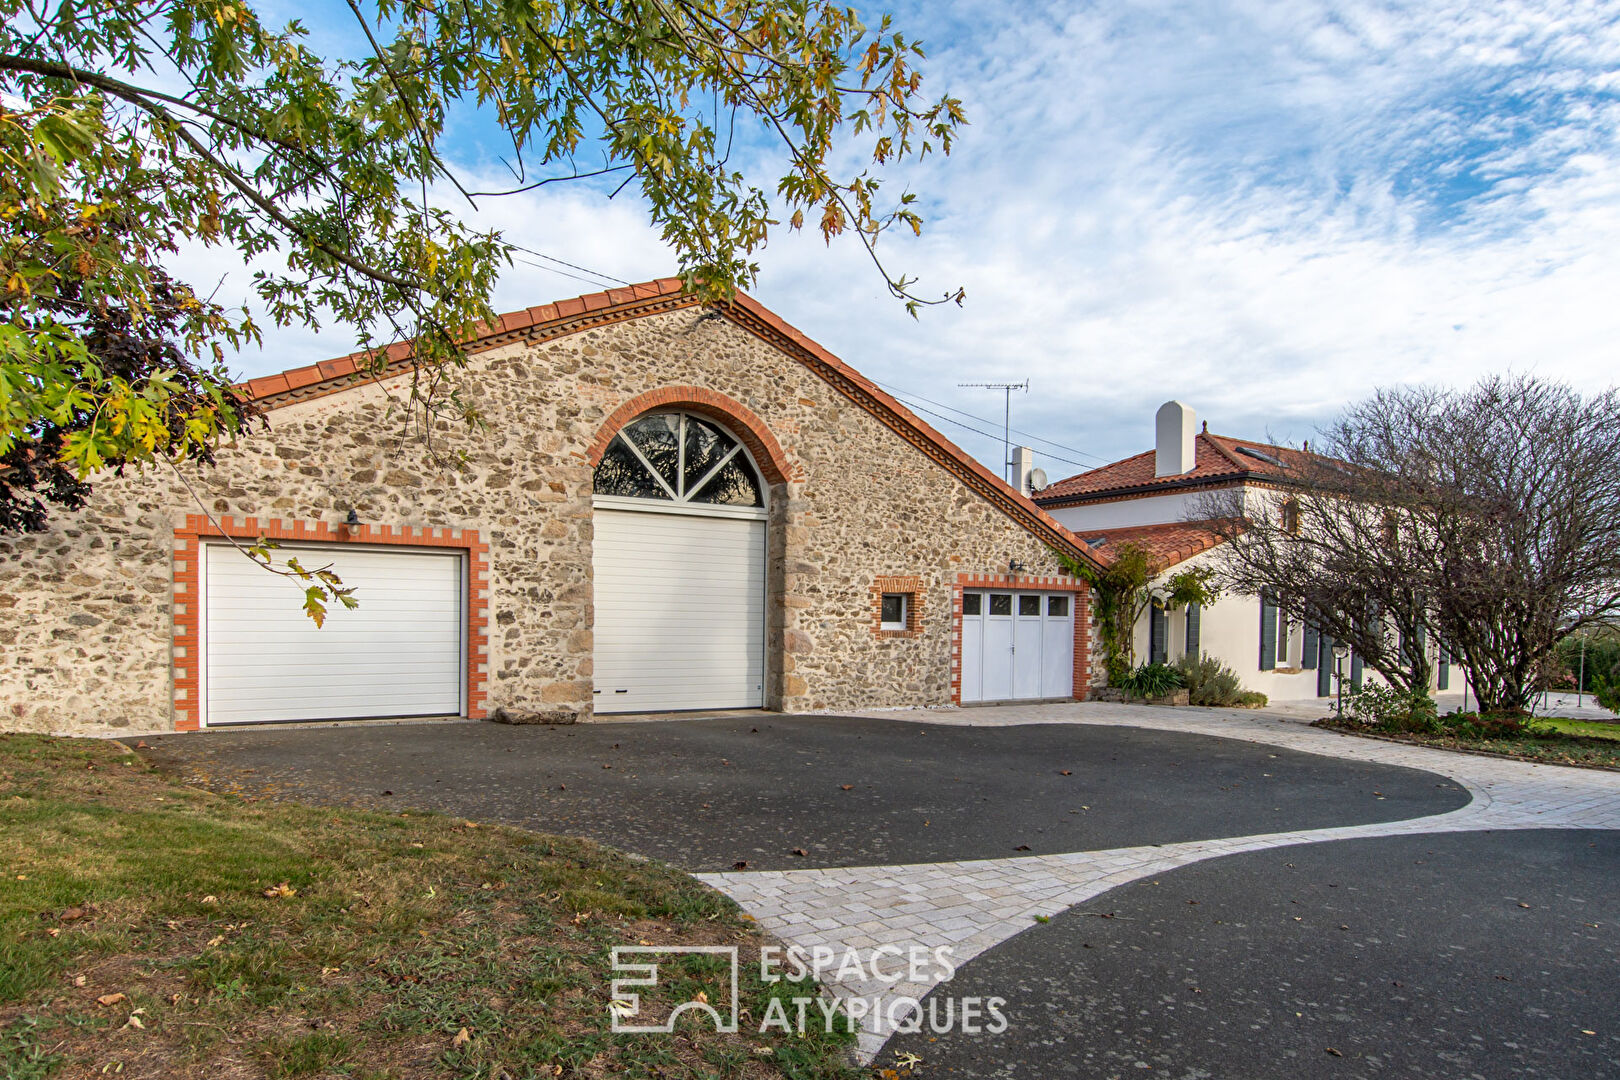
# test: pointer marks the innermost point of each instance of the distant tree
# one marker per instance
(129, 126)
(1488, 518)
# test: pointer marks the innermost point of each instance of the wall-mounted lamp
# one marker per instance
(353, 518)
(1015, 567)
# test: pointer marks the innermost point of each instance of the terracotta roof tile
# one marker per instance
(303, 376)
(336, 369)
(1216, 457)
(266, 385)
(1166, 545)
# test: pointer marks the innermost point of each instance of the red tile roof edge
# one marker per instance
(1166, 544)
(1226, 467)
(744, 310)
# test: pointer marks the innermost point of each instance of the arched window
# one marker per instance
(678, 457)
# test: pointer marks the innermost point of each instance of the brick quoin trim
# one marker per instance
(733, 414)
(913, 588)
(187, 651)
(1042, 583)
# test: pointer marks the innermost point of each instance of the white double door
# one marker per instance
(1017, 646)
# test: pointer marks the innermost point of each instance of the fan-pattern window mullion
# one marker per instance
(679, 457)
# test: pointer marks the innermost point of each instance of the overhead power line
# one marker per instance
(564, 262)
(987, 434)
(986, 420)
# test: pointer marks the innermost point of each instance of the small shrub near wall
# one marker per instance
(1212, 684)
(1392, 710)
(1152, 680)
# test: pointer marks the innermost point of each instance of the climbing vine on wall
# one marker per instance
(1122, 595)
(1123, 592)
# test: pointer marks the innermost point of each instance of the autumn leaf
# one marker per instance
(462, 1039)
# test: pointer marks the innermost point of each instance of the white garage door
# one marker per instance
(398, 654)
(680, 611)
(1017, 646)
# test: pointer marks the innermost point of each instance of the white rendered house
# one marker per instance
(1152, 500)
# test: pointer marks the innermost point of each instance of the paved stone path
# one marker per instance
(975, 905)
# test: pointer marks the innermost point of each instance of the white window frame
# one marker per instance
(905, 612)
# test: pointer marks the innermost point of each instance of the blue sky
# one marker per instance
(1263, 209)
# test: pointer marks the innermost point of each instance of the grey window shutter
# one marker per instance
(1158, 627)
(1442, 678)
(1195, 616)
(1355, 673)
(1268, 633)
(1313, 637)
(1324, 670)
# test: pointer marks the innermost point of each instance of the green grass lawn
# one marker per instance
(149, 929)
(1549, 741)
(1595, 729)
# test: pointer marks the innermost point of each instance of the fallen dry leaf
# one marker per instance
(280, 892)
(1065, 772)
(846, 787)
(80, 980)
(740, 864)
(800, 851)
(1334, 1052)
(462, 1039)
(111, 999)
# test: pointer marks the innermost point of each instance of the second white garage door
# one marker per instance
(398, 654)
(680, 611)
(1017, 646)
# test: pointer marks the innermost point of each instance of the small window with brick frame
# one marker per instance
(894, 611)
(897, 606)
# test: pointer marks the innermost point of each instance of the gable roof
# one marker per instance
(1217, 460)
(1166, 545)
(548, 322)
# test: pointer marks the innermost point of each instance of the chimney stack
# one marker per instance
(1175, 450)
(1023, 463)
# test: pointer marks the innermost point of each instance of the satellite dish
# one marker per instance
(1037, 479)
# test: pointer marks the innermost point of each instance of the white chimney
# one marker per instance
(1175, 452)
(1023, 463)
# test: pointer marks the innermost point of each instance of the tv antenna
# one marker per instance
(1006, 425)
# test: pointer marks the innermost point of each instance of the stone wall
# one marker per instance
(85, 609)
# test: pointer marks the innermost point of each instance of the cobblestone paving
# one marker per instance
(974, 906)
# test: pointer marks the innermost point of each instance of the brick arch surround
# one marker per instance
(736, 416)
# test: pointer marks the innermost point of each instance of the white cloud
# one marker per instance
(1263, 209)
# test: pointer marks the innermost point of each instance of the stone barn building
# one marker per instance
(672, 506)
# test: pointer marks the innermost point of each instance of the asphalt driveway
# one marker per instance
(1470, 954)
(1484, 954)
(707, 794)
